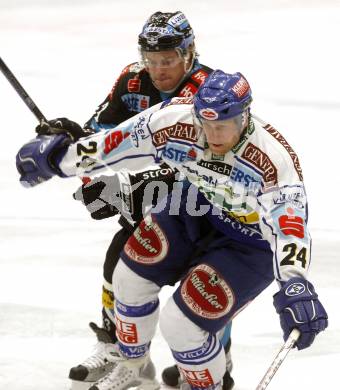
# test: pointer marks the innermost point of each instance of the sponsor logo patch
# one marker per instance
(206, 294)
(295, 199)
(113, 140)
(176, 20)
(126, 331)
(199, 76)
(242, 176)
(191, 155)
(217, 157)
(208, 114)
(292, 225)
(178, 100)
(241, 87)
(219, 167)
(178, 131)
(261, 161)
(139, 132)
(133, 85)
(295, 289)
(148, 244)
(201, 379)
(179, 153)
(136, 102)
(158, 173)
(289, 149)
(188, 90)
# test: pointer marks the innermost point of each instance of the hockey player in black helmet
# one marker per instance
(169, 67)
(168, 50)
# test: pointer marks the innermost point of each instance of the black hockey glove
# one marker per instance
(126, 194)
(63, 126)
(101, 196)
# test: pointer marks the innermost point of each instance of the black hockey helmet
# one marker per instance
(166, 31)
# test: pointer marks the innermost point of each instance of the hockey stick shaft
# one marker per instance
(21, 92)
(279, 358)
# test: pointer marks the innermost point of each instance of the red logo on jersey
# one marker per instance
(292, 225)
(188, 90)
(200, 76)
(113, 140)
(192, 154)
(148, 244)
(198, 378)
(133, 85)
(144, 104)
(206, 294)
(126, 331)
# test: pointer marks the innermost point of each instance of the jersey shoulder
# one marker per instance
(190, 85)
(271, 154)
(286, 150)
(133, 71)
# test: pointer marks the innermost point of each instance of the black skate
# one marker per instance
(97, 365)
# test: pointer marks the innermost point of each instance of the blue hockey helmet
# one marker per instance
(222, 96)
(166, 31)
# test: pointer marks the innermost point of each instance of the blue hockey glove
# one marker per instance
(299, 307)
(37, 161)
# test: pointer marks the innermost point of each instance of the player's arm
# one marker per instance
(128, 145)
(284, 223)
(130, 195)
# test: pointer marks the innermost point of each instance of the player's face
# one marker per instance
(222, 136)
(166, 68)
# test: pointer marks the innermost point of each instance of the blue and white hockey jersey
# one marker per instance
(257, 187)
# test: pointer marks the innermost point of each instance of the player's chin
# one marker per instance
(164, 85)
(219, 148)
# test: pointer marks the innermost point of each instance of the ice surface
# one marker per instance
(67, 56)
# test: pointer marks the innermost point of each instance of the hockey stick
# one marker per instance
(279, 358)
(21, 92)
(26, 97)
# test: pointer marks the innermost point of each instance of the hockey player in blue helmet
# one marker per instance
(169, 68)
(246, 185)
(223, 111)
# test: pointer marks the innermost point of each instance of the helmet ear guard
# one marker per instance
(223, 96)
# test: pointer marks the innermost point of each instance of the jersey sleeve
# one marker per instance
(283, 221)
(128, 145)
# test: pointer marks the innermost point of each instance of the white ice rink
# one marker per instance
(67, 58)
